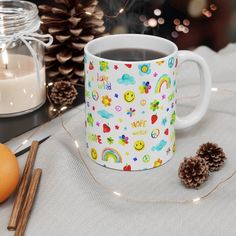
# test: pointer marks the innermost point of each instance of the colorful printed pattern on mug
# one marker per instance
(131, 114)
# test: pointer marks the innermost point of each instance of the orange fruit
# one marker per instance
(9, 172)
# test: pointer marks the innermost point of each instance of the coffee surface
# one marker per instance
(131, 54)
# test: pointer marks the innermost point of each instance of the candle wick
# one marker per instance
(6, 66)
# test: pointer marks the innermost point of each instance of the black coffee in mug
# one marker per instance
(131, 54)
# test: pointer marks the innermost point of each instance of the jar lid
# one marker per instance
(17, 16)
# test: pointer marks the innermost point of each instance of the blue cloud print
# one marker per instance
(126, 79)
(159, 146)
(105, 114)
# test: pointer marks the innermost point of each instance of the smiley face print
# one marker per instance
(129, 96)
(94, 154)
(139, 145)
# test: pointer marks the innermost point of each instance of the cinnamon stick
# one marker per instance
(20, 197)
(29, 200)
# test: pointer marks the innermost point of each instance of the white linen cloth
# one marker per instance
(69, 203)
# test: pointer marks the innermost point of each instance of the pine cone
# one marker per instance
(63, 93)
(213, 155)
(193, 171)
(72, 23)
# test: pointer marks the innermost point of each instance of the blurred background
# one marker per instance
(189, 23)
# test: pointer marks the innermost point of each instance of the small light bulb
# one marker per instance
(196, 199)
(152, 22)
(161, 21)
(142, 18)
(63, 108)
(157, 12)
(121, 10)
(24, 142)
(117, 193)
(76, 144)
(214, 89)
(88, 13)
(50, 84)
(176, 21)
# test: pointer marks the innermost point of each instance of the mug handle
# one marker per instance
(205, 90)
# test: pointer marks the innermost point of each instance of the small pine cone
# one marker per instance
(213, 155)
(193, 171)
(72, 24)
(63, 93)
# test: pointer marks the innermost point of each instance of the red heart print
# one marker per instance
(154, 118)
(106, 128)
(166, 132)
(129, 65)
(117, 127)
(127, 168)
(115, 67)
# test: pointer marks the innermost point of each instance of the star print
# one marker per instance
(127, 153)
(135, 159)
(120, 120)
(155, 74)
(97, 124)
(93, 108)
(143, 112)
(167, 109)
(116, 95)
(163, 96)
(125, 128)
(161, 108)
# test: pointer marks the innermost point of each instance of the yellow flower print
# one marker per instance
(144, 69)
(106, 101)
(103, 66)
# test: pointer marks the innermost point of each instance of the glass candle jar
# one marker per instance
(22, 70)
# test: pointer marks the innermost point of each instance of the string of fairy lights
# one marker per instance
(124, 195)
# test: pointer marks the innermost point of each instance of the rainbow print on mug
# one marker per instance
(164, 80)
(131, 105)
(110, 153)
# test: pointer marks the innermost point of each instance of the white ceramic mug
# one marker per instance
(131, 105)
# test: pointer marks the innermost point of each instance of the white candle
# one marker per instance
(20, 89)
